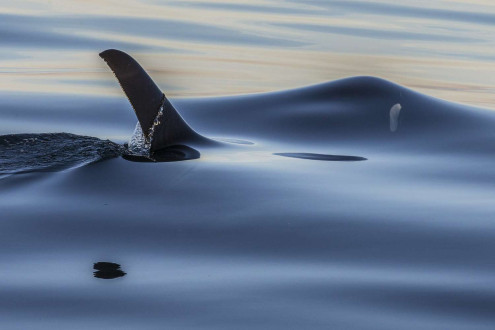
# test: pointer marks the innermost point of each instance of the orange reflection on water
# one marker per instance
(211, 48)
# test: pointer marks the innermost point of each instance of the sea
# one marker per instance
(352, 185)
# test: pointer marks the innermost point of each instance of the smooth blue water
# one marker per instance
(243, 237)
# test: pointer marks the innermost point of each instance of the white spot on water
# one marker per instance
(394, 117)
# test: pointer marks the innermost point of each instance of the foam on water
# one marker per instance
(137, 144)
(140, 144)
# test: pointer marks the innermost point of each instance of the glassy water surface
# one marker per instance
(358, 203)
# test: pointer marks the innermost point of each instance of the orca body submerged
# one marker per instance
(343, 120)
(359, 114)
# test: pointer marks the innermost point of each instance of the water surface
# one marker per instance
(242, 237)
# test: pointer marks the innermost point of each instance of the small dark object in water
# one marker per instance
(169, 154)
(107, 270)
(303, 155)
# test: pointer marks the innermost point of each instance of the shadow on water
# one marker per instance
(170, 154)
(107, 270)
(303, 155)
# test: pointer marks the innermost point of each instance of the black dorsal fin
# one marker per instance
(147, 99)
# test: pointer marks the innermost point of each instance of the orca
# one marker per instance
(161, 124)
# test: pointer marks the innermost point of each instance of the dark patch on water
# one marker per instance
(49, 152)
(303, 155)
(170, 154)
(107, 270)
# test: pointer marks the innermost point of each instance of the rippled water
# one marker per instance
(349, 204)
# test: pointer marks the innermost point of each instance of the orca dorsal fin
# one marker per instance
(161, 124)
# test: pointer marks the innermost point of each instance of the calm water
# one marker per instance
(394, 231)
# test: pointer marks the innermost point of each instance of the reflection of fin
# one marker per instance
(161, 129)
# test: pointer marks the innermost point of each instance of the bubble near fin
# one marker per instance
(137, 144)
(394, 117)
